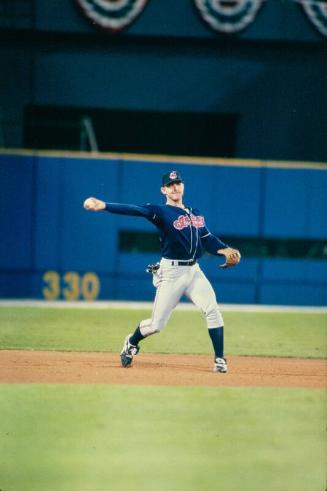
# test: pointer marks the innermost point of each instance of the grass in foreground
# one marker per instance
(85, 438)
(246, 333)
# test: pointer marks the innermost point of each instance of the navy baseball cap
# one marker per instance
(171, 177)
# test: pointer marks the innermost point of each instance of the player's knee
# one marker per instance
(148, 327)
(213, 316)
(158, 324)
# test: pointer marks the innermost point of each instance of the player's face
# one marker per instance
(174, 192)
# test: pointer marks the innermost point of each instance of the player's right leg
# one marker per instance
(129, 350)
(169, 291)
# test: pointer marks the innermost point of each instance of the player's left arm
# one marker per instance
(232, 257)
(215, 246)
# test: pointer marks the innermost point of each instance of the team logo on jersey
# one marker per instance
(317, 13)
(228, 16)
(184, 221)
(112, 14)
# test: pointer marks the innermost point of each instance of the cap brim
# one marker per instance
(173, 181)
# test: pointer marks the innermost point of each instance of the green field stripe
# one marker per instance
(83, 438)
(246, 333)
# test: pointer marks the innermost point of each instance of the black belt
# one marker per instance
(183, 263)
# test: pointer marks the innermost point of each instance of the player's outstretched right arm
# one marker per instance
(146, 211)
(94, 204)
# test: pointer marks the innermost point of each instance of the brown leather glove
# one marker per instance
(232, 257)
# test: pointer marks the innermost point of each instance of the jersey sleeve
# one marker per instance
(210, 242)
(145, 211)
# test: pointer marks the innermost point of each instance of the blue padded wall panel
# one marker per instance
(89, 240)
(20, 284)
(288, 211)
(139, 183)
(16, 211)
(284, 269)
(108, 289)
(317, 271)
(48, 229)
(14, 284)
(129, 287)
(48, 223)
(246, 270)
(235, 193)
(294, 294)
(135, 263)
(294, 270)
(318, 205)
(234, 292)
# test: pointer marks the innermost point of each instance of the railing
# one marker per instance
(73, 134)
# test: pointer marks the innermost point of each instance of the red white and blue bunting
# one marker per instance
(228, 16)
(114, 15)
(316, 10)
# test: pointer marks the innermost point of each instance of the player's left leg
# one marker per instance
(202, 294)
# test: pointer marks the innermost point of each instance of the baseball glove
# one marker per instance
(232, 257)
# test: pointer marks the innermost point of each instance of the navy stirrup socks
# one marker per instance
(217, 337)
(136, 337)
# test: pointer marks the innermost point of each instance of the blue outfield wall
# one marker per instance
(52, 248)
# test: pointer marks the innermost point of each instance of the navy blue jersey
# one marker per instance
(183, 233)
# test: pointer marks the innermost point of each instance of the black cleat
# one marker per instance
(127, 353)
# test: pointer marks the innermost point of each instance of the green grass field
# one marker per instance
(102, 437)
(247, 333)
(85, 438)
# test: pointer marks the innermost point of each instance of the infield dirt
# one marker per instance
(155, 369)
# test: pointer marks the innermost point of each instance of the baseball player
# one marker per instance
(183, 236)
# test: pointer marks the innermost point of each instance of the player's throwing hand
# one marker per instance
(94, 204)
